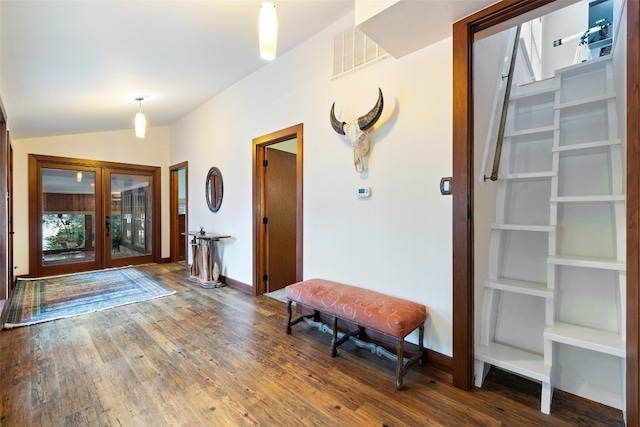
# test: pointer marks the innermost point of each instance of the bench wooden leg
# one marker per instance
(287, 327)
(335, 341)
(402, 367)
(298, 319)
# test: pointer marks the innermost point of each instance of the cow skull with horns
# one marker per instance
(355, 131)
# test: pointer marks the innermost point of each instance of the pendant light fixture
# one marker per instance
(79, 176)
(268, 30)
(141, 121)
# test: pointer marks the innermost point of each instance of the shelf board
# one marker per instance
(519, 287)
(587, 338)
(586, 145)
(522, 227)
(532, 131)
(520, 362)
(589, 262)
(583, 67)
(588, 199)
(585, 101)
(528, 175)
(541, 92)
(534, 88)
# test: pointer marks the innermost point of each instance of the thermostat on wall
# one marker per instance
(364, 192)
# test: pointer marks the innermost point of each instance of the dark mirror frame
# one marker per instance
(213, 189)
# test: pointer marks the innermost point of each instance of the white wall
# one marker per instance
(117, 146)
(563, 23)
(397, 242)
(488, 61)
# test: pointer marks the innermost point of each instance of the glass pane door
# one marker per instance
(68, 212)
(129, 218)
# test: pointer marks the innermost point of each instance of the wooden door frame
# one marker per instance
(154, 172)
(463, 190)
(35, 202)
(259, 234)
(10, 241)
(173, 208)
(4, 215)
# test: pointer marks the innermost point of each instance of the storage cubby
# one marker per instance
(585, 174)
(573, 83)
(584, 122)
(588, 297)
(532, 112)
(524, 255)
(518, 322)
(586, 230)
(531, 153)
(528, 202)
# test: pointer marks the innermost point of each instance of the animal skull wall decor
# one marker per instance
(355, 131)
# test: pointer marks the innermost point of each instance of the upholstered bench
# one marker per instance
(394, 317)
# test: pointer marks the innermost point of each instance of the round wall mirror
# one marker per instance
(213, 189)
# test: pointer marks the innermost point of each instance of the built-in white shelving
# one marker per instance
(587, 338)
(557, 254)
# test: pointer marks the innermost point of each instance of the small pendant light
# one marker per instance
(268, 30)
(141, 121)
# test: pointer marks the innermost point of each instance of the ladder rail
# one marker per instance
(498, 95)
(505, 107)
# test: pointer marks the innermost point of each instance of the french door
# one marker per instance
(88, 215)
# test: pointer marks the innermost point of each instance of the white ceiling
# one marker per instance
(70, 67)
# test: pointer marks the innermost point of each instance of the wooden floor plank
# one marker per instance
(220, 357)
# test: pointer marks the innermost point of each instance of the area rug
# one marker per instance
(57, 297)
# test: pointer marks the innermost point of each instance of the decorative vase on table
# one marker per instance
(215, 272)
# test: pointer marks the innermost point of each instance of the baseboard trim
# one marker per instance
(242, 287)
(438, 360)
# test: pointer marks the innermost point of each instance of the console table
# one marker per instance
(203, 265)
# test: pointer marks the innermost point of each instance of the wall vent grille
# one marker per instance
(353, 50)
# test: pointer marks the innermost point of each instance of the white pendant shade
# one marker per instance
(268, 31)
(141, 125)
(141, 121)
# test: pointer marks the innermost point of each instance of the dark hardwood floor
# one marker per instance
(218, 357)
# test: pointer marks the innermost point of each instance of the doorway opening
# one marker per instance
(277, 203)
(178, 206)
(464, 32)
(88, 215)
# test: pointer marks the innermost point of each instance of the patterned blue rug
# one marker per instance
(57, 297)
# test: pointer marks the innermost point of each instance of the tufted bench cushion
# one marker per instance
(389, 315)
(393, 316)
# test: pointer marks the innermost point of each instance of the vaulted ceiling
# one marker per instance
(70, 67)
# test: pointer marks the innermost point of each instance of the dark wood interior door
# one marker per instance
(178, 211)
(280, 194)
